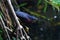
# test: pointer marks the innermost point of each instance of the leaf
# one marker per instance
(37, 14)
(22, 4)
(54, 3)
(38, 3)
(45, 7)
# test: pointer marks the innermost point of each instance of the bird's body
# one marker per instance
(26, 16)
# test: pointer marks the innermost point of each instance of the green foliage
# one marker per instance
(54, 3)
(45, 7)
(37, 14)
(0, 13)
(22, 4)
(38, 3)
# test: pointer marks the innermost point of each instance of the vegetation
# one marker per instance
(17, 27)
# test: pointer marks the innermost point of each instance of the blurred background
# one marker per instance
(39, 18)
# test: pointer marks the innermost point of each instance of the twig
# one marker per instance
(19, 26)
(4, 27)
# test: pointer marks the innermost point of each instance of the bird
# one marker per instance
(26, 17)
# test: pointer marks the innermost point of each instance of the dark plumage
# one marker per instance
(26, 16)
